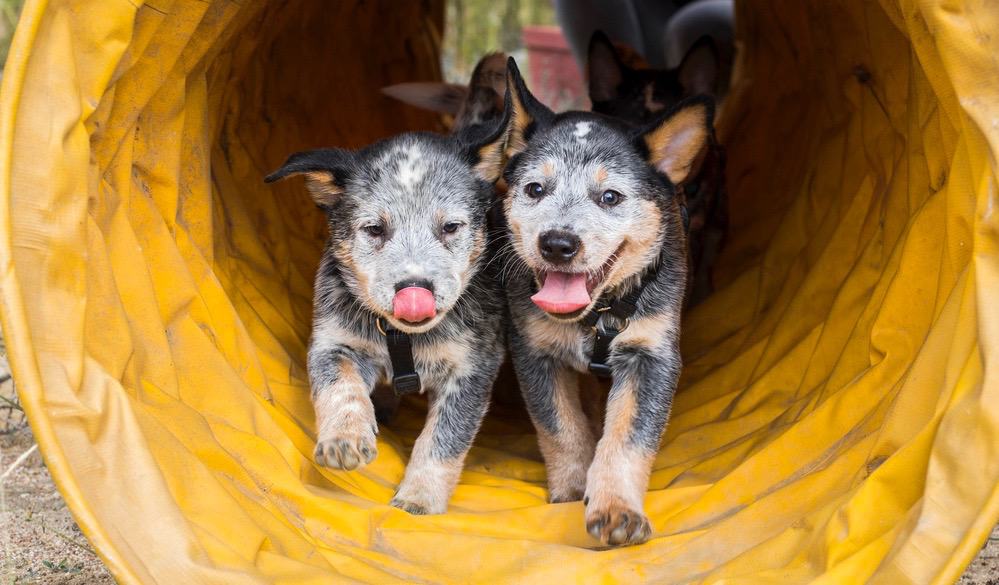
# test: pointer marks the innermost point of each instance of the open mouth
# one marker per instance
(567, 294)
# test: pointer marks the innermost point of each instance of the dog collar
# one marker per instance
(607, 320)
(405, 380)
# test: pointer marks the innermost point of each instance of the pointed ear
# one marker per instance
(326, 171)
(604, 69)
(486, 88)
(492, 147)
(674, 142)
(524, 113)
(445, 98)
(699, 69)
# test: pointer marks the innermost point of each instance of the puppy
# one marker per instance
(595, 283)
(402, 295)
(638, 95)
(479, 102)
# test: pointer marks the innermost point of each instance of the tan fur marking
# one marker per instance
(601, 175)
(639, 248)
(490, 164)
(648, 331)
(675, 144)
(453, 353)
(617, 479)
(548, 169)
(320, 184)
(568, 452)
(428, 483)
(345, 421)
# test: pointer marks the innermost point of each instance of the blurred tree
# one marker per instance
(477, 27)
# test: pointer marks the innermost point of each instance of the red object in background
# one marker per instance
(555, 78)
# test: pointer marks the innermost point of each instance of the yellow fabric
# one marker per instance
(839, 417)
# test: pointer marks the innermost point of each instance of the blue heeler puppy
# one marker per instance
(405, 260)
(595, 282)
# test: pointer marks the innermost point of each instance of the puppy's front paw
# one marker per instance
(346, 450)
(411, 507)
(566, 494)
(615, 523)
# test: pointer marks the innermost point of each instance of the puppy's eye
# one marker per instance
(376, 230)
(451, 227)
(534, 190)
(610, 198)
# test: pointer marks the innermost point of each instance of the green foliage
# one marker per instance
(10, 10)
(476, 27)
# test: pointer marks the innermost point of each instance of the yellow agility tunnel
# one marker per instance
(838, 420)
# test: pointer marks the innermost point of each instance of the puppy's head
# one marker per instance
(639, 96)
(406, 218)
(589, 198)
(480, 102)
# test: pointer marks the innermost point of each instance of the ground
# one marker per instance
(40, 542)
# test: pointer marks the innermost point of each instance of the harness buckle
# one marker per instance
(406, 384)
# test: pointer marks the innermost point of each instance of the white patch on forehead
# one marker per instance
(582, 129)
(411, 167)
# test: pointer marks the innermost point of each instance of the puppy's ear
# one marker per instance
(523, 114)
(445, 98)
(484, 100)
(326, 171)
(604, 70)
(674, 142)
(698, 72)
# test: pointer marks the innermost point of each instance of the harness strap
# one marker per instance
(620, 310)
(405, 380)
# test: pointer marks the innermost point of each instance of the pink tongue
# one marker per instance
(562, 292)
(414, 304)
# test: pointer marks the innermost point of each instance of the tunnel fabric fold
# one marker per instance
(839, 408)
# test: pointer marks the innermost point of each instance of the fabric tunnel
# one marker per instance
(838, 417)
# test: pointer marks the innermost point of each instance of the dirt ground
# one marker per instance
(40, 542)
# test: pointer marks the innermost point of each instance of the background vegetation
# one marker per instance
(476, 27)
(9, 11)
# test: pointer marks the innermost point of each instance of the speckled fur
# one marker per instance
(576, 156)
(412, 185)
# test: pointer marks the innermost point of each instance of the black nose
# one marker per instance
(419, 283)
(558, 247)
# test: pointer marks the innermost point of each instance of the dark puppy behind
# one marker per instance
(479, 102)
(639, 95)
(407, 247)
(595, 282)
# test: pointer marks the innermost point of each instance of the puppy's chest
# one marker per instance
(570, 343)
(436, 362)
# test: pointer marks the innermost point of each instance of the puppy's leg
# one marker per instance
(456, 412)
(637, 410)
(342, 380)
(551, 392)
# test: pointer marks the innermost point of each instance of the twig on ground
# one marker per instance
(21, 459)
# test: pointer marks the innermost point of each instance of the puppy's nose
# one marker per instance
(414, 282)
(559, 247)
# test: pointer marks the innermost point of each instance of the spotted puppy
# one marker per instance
(405, 256)
(639, 95)
(595, 283)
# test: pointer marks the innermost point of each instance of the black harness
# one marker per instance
(609, 319)
(405, 380)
